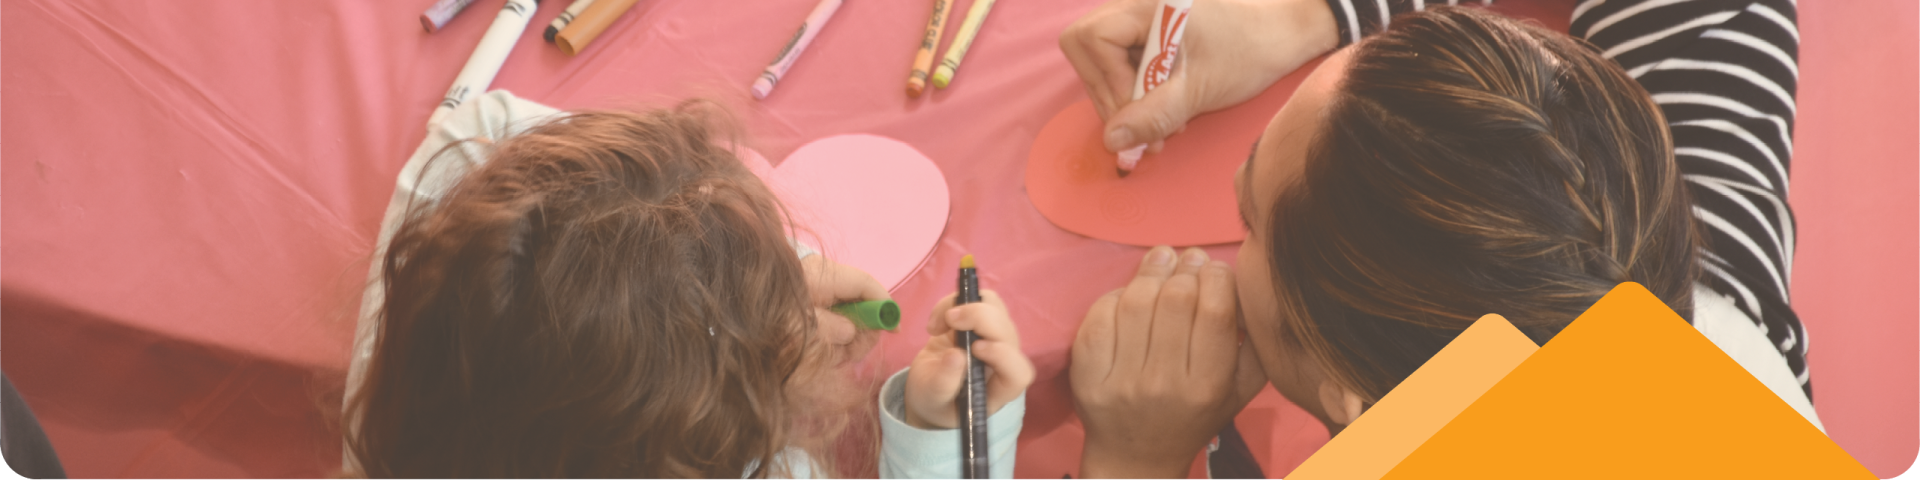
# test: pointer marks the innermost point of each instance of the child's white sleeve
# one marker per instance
(801, 249)
(908, 452)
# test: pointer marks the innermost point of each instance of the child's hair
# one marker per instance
(611, 295)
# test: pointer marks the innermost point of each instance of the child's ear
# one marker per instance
(1342, 405)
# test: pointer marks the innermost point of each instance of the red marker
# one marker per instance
(1163, 44)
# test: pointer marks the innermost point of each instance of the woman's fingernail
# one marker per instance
(1195, 257)
(1120, 138)
(1161, 256)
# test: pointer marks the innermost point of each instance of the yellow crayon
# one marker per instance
(961, 40)
(923, 61)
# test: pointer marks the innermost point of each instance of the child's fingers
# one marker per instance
(932, 386)
(1012, 371)
(938, 323)
(863, 286)
(987, 321)
(834, 328)
(991, 297)
(943, 382)
(835, 283)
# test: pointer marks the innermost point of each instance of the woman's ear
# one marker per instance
(1342, 405)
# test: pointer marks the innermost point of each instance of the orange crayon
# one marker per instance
(923, 61)
(589, 23)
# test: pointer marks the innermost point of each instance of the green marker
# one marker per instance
(871, 314)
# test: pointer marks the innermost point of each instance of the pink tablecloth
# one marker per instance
(192, 189)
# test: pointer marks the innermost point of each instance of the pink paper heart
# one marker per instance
(868, 201)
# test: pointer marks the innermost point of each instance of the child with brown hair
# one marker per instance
(608, 294)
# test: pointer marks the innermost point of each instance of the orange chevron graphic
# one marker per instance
(1421, 405)
(1628, 390)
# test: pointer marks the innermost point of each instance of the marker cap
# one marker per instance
(871, 314)
(1131, 157)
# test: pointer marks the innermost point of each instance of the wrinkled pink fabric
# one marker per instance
(192, 189)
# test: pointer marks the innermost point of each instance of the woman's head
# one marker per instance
(1456, 165)
(611, 295)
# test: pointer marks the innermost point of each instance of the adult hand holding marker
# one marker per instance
(1231, 51)
(937, 378)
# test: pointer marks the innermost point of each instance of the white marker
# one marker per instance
(763, 85)
(487, 57)
(1156, 64)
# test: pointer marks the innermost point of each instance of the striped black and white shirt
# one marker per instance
(1724, 73)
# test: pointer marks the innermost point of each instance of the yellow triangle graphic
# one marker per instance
(1437, 392)
(1629, 390)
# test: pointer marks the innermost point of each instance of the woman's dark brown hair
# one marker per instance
(612, 295)
(1471, 164)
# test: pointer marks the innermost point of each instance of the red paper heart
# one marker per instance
(1180, 196)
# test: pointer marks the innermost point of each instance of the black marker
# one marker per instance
(972, 402)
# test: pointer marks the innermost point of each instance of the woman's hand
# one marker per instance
(1232, 51)
(933, 382)
(1158, 367)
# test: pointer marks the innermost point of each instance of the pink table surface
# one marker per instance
(192, 190)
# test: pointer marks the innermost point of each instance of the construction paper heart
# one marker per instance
(867, 201)
(1180, 196)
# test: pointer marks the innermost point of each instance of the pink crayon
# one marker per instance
(442, 11)
(815, 21)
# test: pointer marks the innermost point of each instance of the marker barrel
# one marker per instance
(1163, 44)
(923, 60)
(972, 401)
(1168, 25)
(871, 314)
(487, 57)
(976, 15)
(763, 85)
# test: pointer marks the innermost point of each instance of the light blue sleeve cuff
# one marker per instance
(908, 452)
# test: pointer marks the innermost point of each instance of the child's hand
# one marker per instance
(831, 283)
(934, 380)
